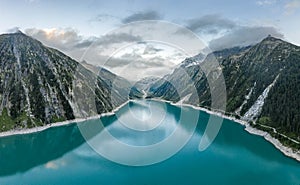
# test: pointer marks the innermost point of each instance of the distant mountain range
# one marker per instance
(37, 85)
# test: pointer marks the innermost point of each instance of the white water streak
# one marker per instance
(256, 108)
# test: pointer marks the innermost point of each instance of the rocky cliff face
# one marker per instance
(262, 84)
(40, 85)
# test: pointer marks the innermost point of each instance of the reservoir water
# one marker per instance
(60, 155)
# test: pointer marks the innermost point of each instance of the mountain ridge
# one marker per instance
(39, 85)
(248, 73)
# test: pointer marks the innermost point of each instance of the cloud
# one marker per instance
(210, 24)
(13, 30)
(138, 16)
(142, 55)
(124, 60)
(68, 39)
(141, 16)
(32, 1)
(103, 18)
(91, 49)
(136, 61)
(142, 60)
(63, 39)
(150, 49)
(291, 6)
(85, 43)
(243, 36)
(266, 2)
(134, 67)
(221, 33)
(118, 38)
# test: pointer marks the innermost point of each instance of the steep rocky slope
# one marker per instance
(262, 84)
(40, 85)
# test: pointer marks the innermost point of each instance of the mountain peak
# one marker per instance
(16, 32)
(270, 43)
(19, 32)
(20, 40)
(271, 38)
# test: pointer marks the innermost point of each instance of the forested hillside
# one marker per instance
(262, 84)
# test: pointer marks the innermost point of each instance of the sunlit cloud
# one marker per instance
(64, 39)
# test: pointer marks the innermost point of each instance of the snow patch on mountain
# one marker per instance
(256, 108)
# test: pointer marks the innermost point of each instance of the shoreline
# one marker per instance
(58, 124)
(289, 152)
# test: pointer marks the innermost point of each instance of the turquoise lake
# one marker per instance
(60, 155)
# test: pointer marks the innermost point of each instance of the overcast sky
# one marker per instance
(72, 26)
